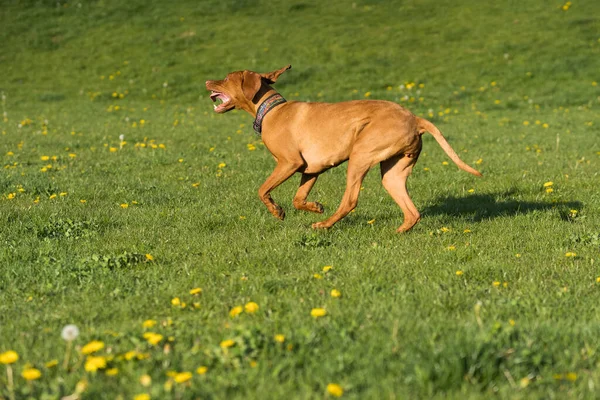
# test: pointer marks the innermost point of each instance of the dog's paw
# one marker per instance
(319, 208)
(278, 213)
(320, 225)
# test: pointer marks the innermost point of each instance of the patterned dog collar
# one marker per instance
(266, 106)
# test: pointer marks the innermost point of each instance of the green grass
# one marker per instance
(520, 322)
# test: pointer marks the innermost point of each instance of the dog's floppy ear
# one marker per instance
(271, 77)
(251, 82)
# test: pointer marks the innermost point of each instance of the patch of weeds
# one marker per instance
(591, 239)
(571, 215)
(124, 260)
(58, 228)
(313, 241)
(243, 347)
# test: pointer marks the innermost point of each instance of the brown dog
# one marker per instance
(312, 137)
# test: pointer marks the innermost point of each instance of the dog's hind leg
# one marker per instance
(394, 173)
(306, 184)
(357, 169)
(280, 174)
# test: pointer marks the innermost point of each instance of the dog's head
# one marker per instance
(239, 88)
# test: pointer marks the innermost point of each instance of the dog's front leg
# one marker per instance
(282, 172)
(306, 184)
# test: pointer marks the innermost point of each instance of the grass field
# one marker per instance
(495, 293)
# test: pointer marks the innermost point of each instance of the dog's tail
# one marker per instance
(425, 126)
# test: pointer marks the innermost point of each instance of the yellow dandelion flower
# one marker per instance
(31, 374)
(548, 184)
(182, 377)
(92, 347)
(83, 201)
(570, 254)
(467, 231)
(153, 338)
(571, 376)
(335, 390)
(335, 293)
(94, 363)
(72, 155)
(195, 291)
(459, 273)
(124, 205)
(130, 355)
(445, 163)
(279, 338)
(175, 301)
(317, 276)
(196, 184)
(526, 123)
(471, 190)
(478, 162)
(9, 357)
(367, 94)
(371, 222)
(235, 311)
(496, 284)
(222, 165)
(202, 370)
(512, 322)
(549, 190)
(318, 312)
(142, 396)
(113, 149)
(112, 371)
(251, 307)
(44, 158)
(451, 248)
(327, 268)
(225, 344)
(51, 363)
(149, 323)
(145, 380)
(149, 257)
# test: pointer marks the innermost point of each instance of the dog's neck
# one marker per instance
(263, 102)
(265, 107)
(263, 94)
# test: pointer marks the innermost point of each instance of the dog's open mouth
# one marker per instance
(224, 106)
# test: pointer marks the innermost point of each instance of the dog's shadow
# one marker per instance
(478, 207)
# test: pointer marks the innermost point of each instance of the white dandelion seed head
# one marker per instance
(70, 332)
(165, 84)
(121, 137)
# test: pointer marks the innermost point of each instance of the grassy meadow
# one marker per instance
(129, 208)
